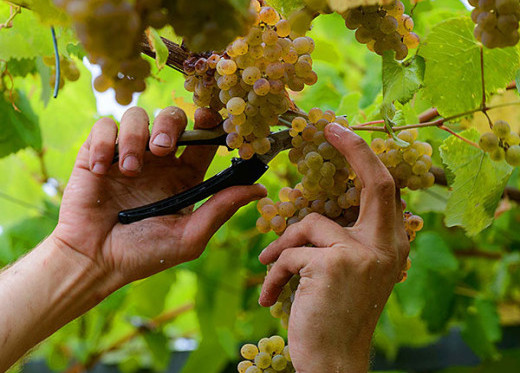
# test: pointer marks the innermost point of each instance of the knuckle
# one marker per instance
(384, 185)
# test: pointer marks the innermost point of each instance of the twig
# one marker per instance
(14, 11)
(459, 137)
(483, 106)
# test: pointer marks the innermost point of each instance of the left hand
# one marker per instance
(98, 190)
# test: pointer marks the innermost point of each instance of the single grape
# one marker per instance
(488, 142)
(249, 351)
(513, 155)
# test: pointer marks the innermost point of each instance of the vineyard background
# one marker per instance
(463, 289)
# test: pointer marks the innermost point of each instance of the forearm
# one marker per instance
(40, 293)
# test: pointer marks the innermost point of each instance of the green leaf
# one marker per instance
(286, 7)
(158, 46)
(401, 79)
(46, 11)
(435, 254)
(149, 295)
(478, 185)
(453, 75)
(481, 328)
(157, 344)
(21, 67)
(20, 129)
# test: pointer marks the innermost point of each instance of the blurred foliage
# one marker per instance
(465, 280)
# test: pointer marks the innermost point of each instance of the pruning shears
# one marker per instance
(241, 172)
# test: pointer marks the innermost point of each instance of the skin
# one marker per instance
(345, 279)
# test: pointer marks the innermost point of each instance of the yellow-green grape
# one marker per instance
(415, 222)
(513, 155)
(264, 346)
(286, 353)
(253, 369)
(279, 362)
(263, 225)
(283, 28)
(299, 124)
(269, 211)
(278, 344)
(278, 224)
(249, 351)
(513, 139)
(488, 142)
(246, 151)
(236, 105)
(269, 16)
(263, 360)
(315, 114)
(498, 154)
(378, 145)
(501, 129)
(414, 182)
(420, 168)
(427, 180)
(263, 202)
(234, 140)
(276, 310)
(226, 67)
(411, 40)
(286, 209)
(243, 365)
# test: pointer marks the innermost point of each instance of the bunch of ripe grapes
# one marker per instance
(270, 355)
(502, 143)
(496, 22)
(251, 79)
(383, 28)
(111, 32)
(68, 69)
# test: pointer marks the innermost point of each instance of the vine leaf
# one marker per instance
(401, 79)
(452, 77)
(158, 46)
(477, 186)
(20, 129)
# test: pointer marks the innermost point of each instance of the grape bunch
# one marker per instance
(383, 28)
(496, 22)
(501, 143)
(270, 355)
(111, 32)
(409, 165)
(251, 79)
(209, 25)
(68, 68)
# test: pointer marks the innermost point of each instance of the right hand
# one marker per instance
(347, 277)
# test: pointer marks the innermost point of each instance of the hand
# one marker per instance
(98, 190)
(347, 277)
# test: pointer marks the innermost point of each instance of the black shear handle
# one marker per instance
(241, 172)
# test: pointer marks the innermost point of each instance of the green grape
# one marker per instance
(226, 67)
(420, 168)
(378, 145)
(427, 180)
(286, 209)
(249, 351)
(269, 211)
(278, 344)
(488, 142)
(264, 346)
(513, 155)
(279, 362)
(299, 124)
(314, 160)
(501, 129)
(286, 353)
(243, 365)
(276, 310)
(278, 224)
(253, 369)
(262, 225)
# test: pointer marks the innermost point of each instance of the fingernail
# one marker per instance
(337, 129)
(162, 140)
(130, 163)
(99, 168)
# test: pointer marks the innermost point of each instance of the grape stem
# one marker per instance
(483, 106)
(13, 12)
(428, 115)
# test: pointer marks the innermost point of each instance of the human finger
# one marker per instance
(289, 263)
(167, 128)
(217, 210)
(101, 144)
(133, 136)
(199, 157)
(314, 229)
(378, 194)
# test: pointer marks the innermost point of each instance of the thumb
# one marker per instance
(218, 209)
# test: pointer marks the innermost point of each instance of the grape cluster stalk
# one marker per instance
(497, 22)
(383, 28)
(501, 143)
(251, 78)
